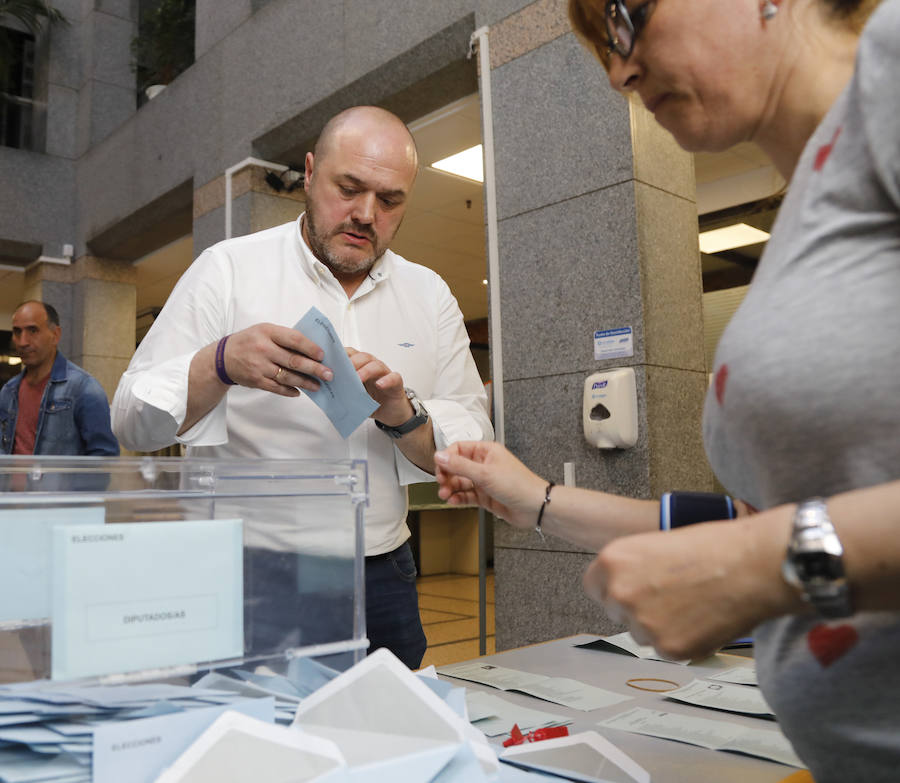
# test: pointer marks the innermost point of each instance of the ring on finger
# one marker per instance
(277, 374)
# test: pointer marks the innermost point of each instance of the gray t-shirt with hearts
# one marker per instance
(805, 401)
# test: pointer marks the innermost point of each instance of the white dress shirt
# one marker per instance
(403, 313)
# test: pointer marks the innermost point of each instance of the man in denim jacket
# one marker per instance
(53, 406)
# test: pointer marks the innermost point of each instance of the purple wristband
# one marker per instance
(220, 362)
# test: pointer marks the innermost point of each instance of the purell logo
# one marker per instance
(599, 385)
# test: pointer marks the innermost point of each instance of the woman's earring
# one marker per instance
(768, 10)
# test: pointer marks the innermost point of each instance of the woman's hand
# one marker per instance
(486, 474)
(689, 591)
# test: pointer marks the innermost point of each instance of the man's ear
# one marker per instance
(308, 173)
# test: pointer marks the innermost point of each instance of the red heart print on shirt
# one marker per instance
(831, 642)
(825, 150)
(721, 382)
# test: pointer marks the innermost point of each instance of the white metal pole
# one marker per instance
(230, 171)
(480, 38)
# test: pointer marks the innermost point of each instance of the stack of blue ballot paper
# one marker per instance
(377, 721)
(62, 733)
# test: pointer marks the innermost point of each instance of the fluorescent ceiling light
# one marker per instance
(14, 360)
(468, 164)
(738, 235)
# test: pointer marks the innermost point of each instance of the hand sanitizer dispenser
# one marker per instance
(610, 409)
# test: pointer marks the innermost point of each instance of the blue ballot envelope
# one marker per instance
(344, 399)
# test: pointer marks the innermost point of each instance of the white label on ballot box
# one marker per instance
(25, 557)
(133, 596)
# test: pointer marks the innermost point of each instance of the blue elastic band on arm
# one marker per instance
(664, 522)
(693, 507)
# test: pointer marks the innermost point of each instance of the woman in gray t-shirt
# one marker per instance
(805, 399)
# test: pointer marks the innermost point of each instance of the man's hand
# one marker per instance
(275, 359)
(383, 386)
(394, 408)
(264, 356)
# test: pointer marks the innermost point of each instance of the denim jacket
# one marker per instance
(73, 418)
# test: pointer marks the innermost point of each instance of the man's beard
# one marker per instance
(340, 266)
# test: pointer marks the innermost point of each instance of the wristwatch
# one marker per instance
(419, 417)
(814, 562)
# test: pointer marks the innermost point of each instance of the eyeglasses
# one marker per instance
(623, 28)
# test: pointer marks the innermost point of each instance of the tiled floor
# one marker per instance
(448, 604)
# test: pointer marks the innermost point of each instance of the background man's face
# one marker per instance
(34, 337)
(356, 198)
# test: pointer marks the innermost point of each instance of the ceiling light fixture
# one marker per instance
(730, 237)
(468, 164)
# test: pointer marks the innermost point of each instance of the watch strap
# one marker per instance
(419, 417)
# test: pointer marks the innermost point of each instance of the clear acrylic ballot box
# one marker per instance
(148, 569)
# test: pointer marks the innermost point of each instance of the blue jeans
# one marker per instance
(392, 606)
(294, 600)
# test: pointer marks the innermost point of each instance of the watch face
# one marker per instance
(814, 563)
(817, 566)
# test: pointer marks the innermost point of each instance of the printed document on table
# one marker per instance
(739, 675)
(133, 596)
(559, 690)
(344, 399)
(624, 643)
(488, 674)
(493, 715)
(723, 696)
(707, 733)
(25, 557)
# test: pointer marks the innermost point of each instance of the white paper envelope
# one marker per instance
(586, 756)
(238, 748)
(457, 700)
(409, 766)
(467, 767)
(379, 711)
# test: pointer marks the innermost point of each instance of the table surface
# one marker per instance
(666, 761)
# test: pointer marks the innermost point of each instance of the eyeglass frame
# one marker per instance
(635, 22)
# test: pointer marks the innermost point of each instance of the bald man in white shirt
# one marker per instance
(222, 371)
